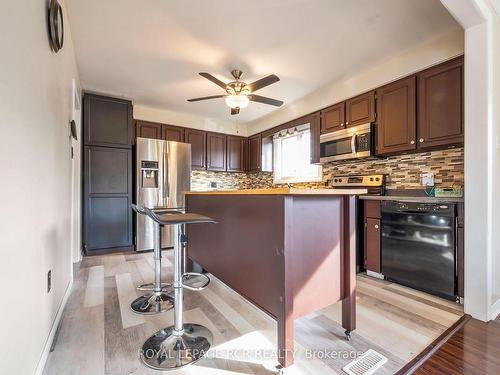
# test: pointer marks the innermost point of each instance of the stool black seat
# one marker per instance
(177, 218)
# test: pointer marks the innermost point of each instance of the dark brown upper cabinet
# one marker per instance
(440, 105)
(107, 121)
(255, 153)
(333, 118)
(198, 141)
(172, 133)
(146, 129)
(216, 152)
(396, 117)
(360, 110)
(315, 126)
(236, 153)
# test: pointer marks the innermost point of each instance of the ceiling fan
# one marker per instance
(238, 93)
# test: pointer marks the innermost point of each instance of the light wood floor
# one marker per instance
(99, 334)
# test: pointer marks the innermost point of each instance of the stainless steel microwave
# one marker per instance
(351, 143)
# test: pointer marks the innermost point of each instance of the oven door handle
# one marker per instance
(353, 143)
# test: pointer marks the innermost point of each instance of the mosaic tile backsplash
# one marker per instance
(202, 180)
(403, 172)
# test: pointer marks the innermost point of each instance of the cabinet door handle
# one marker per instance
(376, 226)
(421, 140)
(347, 122)
(412, 142)
(342, 124)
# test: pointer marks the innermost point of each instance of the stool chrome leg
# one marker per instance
(158, 301)
(183, 343)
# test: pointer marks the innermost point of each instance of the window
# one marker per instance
(292, 157)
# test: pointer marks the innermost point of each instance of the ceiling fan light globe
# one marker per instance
(237, 101)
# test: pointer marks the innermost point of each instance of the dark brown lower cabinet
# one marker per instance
(372, 245)
(107, 196)
(460, 249)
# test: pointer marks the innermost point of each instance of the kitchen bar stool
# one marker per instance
(183, 343)
(157, 300)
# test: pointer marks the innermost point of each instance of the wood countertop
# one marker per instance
(281, 191)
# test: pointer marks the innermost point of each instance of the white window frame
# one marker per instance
(277, 155)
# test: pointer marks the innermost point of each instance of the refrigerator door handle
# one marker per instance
(166, 187)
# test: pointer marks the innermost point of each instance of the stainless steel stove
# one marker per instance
(375, 183)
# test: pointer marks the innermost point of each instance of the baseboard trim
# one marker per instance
(45, 353)
(495, 310)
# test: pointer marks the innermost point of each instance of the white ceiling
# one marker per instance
(151, 51)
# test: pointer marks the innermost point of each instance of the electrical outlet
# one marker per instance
(49, 280)
(427, 179)
(213, 184)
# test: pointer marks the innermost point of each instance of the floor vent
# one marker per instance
(367, 364)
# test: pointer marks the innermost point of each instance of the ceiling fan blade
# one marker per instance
(206, 98)
(263, 82)
(265, 100)
(235, 111)
(217, 81)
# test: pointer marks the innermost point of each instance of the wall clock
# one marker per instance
(56, 26)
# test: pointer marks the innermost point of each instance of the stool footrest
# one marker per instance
(188, 278)
(150, 287)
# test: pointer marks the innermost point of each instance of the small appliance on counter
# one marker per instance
(374, 183)
(453, 192)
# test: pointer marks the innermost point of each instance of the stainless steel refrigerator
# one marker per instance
(163, 173)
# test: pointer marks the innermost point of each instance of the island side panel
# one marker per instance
(245, 248)
(313, 227)
(286, 316)
(349, 263)
(313, 268)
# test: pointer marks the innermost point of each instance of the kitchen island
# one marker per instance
(288, 251)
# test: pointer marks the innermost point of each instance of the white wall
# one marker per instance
(35, 182)
(188, 120)
(439, 49)
(495, 44)
(482, 158)
(76, 181)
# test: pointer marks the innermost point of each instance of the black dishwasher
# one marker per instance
(418, 246)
